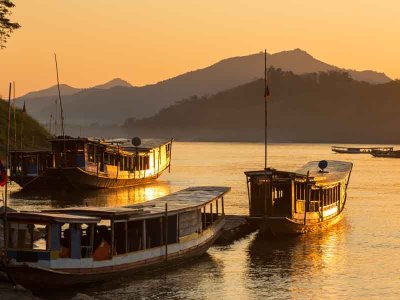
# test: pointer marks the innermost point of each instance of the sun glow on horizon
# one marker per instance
(144, 43)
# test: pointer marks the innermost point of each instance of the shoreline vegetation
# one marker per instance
(34, 135)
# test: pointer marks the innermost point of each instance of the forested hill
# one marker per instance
(323, 107)
(34, 134)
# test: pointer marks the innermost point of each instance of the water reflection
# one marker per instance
(295, 266)
(189, 280)
(28, 200)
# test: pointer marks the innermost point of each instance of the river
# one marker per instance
(359, 258)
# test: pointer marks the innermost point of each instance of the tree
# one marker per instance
(6, 26)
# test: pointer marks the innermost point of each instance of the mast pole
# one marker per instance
(15, 119)
(59, 97)
(62, 113)
(265, 109)
(5, 224)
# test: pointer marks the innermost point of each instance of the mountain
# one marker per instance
(324, 107)
(34, 134)
(69, 90)
(51, 92)
(114, 105)
(112, 83)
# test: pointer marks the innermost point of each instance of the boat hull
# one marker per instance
(76, 177)
(65, 178)
(48, 179)
(389, 154)
(37, 278)
(276, 226)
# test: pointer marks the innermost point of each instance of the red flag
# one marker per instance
(267, 91)
(3, 174)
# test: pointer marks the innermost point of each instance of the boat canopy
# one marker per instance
(184, 200)
(336, 171)
(51, 217)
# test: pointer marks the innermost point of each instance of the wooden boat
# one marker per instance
(72, 246)
(389, 153)
(306, 200)
(359, 150)
(91, 163)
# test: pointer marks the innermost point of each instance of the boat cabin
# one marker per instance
(88, 237)
(29, 163)
(309, 193)
(93, 163)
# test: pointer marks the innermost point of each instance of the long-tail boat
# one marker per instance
(72, 246)
(305, 200)
(359, 150)
(91, 163)
(386, 153)
(309, 199)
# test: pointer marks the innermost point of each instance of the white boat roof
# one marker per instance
(187, 199)
(335, 171)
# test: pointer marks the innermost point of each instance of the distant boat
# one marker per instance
(388, 153)
(91, 163)
(359, 150)
(75, 246)
(307, 200)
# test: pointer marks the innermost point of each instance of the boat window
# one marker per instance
(146, 162)
(102, 242)
(207, 215)
(91, 152)
(154, 229)
(120, 237)
(173, 228)
(65, 241)
(135, 236)
(28, 236)
(86, 243)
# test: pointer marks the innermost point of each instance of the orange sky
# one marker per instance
(147, 41)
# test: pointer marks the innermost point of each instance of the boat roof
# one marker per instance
(184, 200)
(335, 171)
(124, 143)
(51, 217)
(32, 150)
(146, 144)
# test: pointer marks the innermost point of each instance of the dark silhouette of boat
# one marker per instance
(359, 150)
(91, 163)
(388, 153)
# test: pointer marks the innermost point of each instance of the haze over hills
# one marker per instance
(114, 105)
(324, 107)
(69, 90)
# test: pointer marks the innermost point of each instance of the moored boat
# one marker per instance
(91, 163)
(307, 200)
(72, 246)
(359, 150)
(388, 153)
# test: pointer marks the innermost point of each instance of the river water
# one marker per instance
(359, 258)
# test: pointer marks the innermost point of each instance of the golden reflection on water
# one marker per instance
(294, 264)
(35, 200)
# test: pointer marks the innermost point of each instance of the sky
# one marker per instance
(144, 42)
